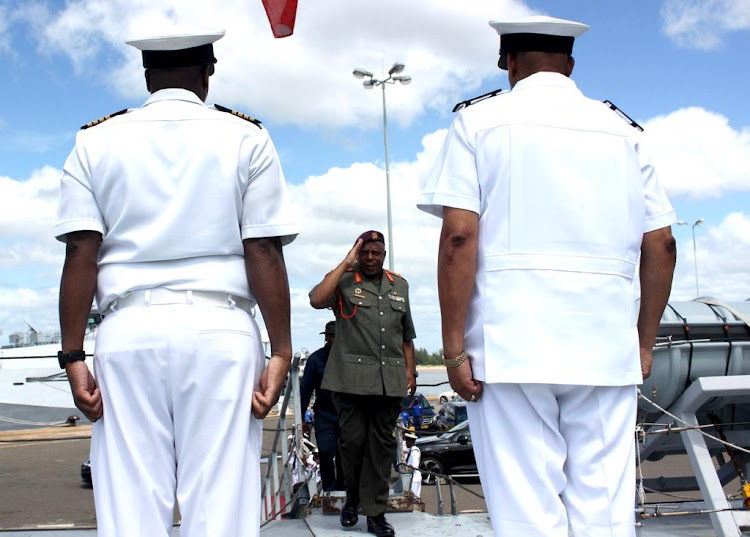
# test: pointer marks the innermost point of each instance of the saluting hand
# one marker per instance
(351, 258)
(86, 394)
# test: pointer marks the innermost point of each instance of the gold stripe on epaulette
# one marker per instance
(239, 115)
(103, 119)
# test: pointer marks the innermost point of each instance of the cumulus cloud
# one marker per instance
(699, 154)
(702, 24)
(263, 76)
(27, 208)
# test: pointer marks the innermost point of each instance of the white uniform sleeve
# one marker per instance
(453, 181)
(77, 208)
(266, 207)
(659, 211)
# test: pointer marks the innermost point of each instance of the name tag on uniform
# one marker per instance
(397, 298)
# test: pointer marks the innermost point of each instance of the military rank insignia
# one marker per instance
(103, 119)
(240, 115)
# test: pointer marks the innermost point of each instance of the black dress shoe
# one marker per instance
(380, 526)
(349, 513)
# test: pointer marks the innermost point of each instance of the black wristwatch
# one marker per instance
(69, 357)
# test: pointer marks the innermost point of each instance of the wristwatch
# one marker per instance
(69, 357)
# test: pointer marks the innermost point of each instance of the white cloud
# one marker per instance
(702, 24)
(27, 208)
(699, 154)
(448, 49)
(723, 253)
(38, 307)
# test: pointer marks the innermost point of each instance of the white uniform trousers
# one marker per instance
(177, 383)
(556, 457)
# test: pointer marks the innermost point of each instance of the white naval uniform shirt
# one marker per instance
(174, 187)
(564, 190)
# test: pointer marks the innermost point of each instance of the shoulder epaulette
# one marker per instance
(103, 119)
(474, 100)
(239, 115)
(623, 115)
(390, 275)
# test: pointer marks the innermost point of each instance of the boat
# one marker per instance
(34, 392)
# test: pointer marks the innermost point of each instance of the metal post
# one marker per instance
(387, 183)
(695, 259)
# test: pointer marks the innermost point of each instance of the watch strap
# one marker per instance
(73, 356)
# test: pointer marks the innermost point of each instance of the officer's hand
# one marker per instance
(411, 382)
(353, 255)
(463, 382)
(647, 356)
(86, 394)
(271, 382)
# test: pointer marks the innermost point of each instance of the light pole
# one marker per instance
(371, 82)
(695, 252)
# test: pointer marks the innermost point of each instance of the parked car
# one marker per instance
(428, 412)
(86, 473)
(448, 396)
(450, 415)
(449, 453)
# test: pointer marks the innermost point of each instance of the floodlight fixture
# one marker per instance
(402, 79)
(396, 69)
(361, 73)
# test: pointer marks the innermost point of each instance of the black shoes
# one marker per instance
(380, 526)
(349, 513)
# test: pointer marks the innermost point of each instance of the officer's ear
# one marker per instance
(569, 66)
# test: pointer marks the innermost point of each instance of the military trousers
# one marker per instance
(556, 460)
(326, 437)
(177, 384)
(367, 447)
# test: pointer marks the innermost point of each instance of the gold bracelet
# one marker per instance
(455, 362)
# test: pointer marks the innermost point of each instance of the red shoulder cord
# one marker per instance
(341, 306)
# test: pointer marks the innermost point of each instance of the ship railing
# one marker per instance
(278, 490)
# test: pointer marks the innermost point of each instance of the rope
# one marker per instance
(34, 423)
(691, 426)
(407, 468)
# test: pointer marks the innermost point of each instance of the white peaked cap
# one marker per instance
(540, 24)
(175, 41)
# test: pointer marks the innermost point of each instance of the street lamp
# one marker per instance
(695, 252)
(369, 83)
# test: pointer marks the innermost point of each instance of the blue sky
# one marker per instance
(677, 67)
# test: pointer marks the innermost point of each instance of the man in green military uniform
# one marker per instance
(370, 368)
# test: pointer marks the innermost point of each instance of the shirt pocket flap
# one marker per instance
(361, 359)
(363, 302)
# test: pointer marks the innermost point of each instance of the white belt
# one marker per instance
(162, 297)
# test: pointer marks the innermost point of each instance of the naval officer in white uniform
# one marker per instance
(547, 199)
(174, 215)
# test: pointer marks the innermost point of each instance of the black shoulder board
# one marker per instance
(623, 115)
(103, 119)
(238, 114)
(474, 100)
